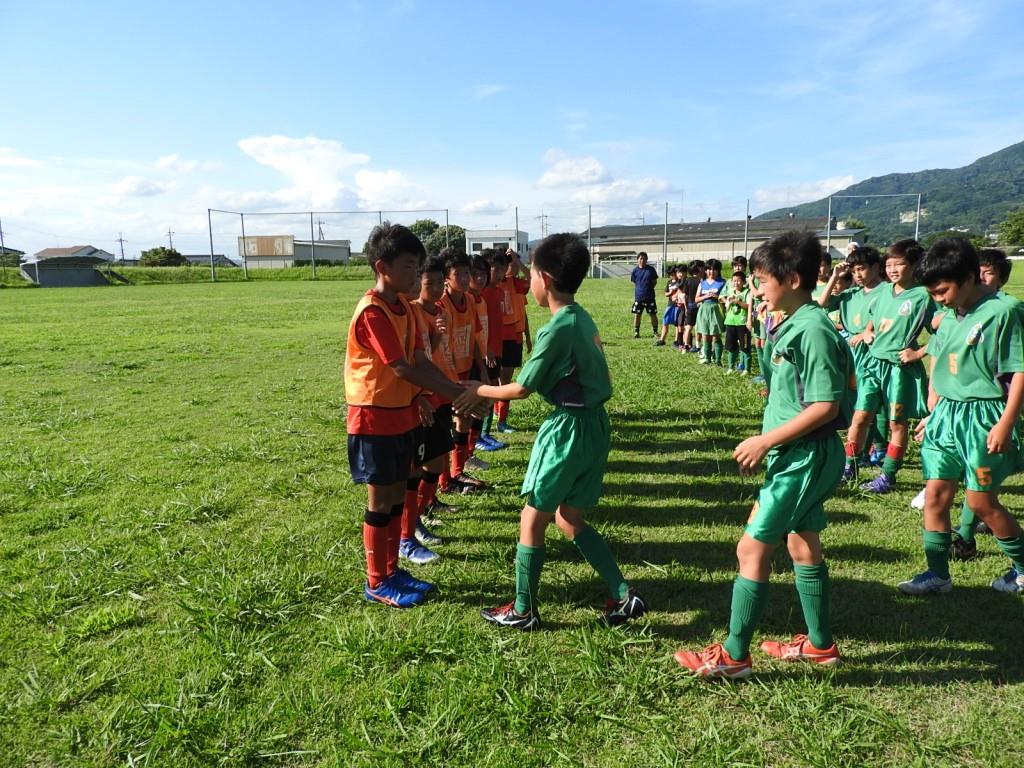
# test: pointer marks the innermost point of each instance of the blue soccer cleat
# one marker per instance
(392, 591)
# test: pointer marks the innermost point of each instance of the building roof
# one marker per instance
(75, 251)
(757, 229)
(7, 249)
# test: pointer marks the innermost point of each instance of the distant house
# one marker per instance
(203, 260)
(72, 267)
(10, 255)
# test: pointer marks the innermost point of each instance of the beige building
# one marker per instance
(279, 251)
(613, 247)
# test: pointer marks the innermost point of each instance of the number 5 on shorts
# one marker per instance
(984, 475)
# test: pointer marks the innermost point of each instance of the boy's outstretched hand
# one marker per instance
(426, 411)
(750, 453)
(469, 401)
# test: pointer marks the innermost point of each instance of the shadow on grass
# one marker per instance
(966, 636)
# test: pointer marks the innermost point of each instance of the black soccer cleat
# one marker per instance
(617, 612)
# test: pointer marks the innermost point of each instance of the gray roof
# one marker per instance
(75, 251)
(762, 229)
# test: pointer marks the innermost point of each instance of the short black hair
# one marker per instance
(864, 256)
(565, 257)
(642, 253)
(996, 259)
(433, 264)
(951, 258)
(714, 264)
(826, 257)
(388, 241)
(740, 274)
(741, 260)
(480, 265)
(792, 252)
(500, 258)
(454, 258)
(907, 249)
(696, 267)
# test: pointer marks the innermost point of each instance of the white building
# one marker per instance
(501, 239)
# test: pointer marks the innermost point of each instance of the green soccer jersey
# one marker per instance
(567, 366)
(830, 303)
(810, 363)
(855, 306)
(736, 314)
(1014, 303)
(898, 320)
(971, 351)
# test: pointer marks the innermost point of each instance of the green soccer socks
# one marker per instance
(718, 353)
(893, 460)
(936, 552)
(968, 522)
(1013, 549)
(529, 561)
(595, 550)
(733, 358)
(812, 584)
(748, 601)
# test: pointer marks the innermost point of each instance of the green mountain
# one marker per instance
(978, 196)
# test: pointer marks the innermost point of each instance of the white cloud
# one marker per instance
(483, 206)
(622, 191)
(386, 190)
(800, 192)
(136, 186)
(313, 165)
(566, 171)
(487, 90)
(176, 164)
(9, 158)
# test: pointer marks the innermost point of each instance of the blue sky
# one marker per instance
(137, 117)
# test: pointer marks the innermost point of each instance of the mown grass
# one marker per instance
(181, 568)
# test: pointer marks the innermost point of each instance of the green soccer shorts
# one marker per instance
(798, 479)
(898, 391)
(954, 445)
(710, 321)
(568, 460)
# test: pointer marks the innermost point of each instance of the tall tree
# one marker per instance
(456, 239)
(424, 228)
(162, 257)
(1011, 231)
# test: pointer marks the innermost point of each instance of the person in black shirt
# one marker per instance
(644, 279)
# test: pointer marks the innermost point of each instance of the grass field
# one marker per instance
(181, 569)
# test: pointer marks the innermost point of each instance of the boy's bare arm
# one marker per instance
(999, 436)
(751, 451)
(423, 373)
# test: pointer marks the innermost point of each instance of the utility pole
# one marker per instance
(320, 228)
(543, 219)
(170, 238)
(120, 239)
